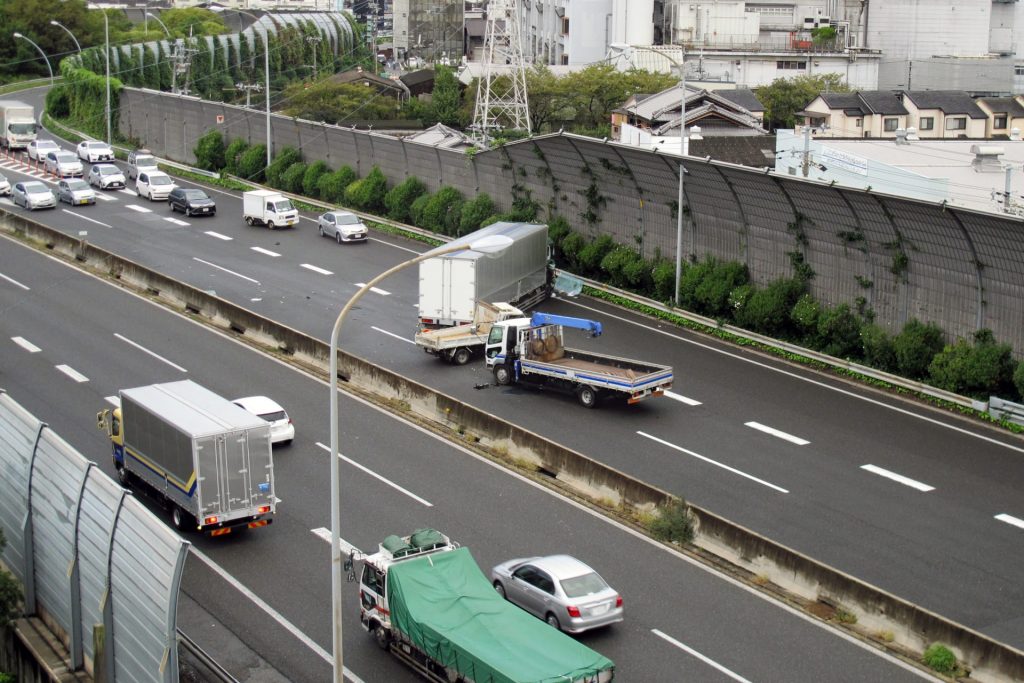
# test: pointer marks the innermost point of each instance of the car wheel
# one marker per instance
(587, 396)
(382, 636)
(320, 229)
(188, 212)
(553, 621)
(500, 590)
(337, 237)
(502, 375)
(137, 192)
(461, 356)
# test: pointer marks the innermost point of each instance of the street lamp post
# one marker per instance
(162, 24)
(266, 64)
(54, 22)
(45, 58)
(490, 244)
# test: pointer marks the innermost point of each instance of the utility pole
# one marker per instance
(249, 88)
(807, 150)
(315, 42)
(1006, 190)
(181, 64)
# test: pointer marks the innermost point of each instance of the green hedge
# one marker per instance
(281, 163)
(311, 180)
(367, 194)
(209, 151)
(252, 163)
(398, 201)
(332, 186)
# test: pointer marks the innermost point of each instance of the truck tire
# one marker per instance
(122, 475)
(248, 221)
(553, 621)
(502, 375)
(182, 520)
(587, 396)
(461, 356)
(270, 224)
(382, 637)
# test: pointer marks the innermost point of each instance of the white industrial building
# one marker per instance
(967, 173)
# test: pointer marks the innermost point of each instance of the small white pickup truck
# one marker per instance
(458, 344)
(272, 209)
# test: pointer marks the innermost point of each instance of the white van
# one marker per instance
(141, 160)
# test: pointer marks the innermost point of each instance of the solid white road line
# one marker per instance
(775, 432)
(375, 290)
(712, 462)
(219, 236)
(86, 218)
(377, 476)
(707, 660)
(14, 282)
(682, 399)
(136, 207)
(906, 481)
(26, 344)
(274, 614)
(1010, 520)
(308, 266)
(178, 222)
(346, 547)
(392, 334)
(214, 265)
(6, 202)
(72, 373)
(267, 252)
(142, 348)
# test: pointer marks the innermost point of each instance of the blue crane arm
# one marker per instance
(591, 326)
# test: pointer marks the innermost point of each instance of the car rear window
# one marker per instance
(587, 584)
(274, 416)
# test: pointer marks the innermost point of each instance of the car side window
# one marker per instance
(527, 574)
(143, 178)
(545, 583)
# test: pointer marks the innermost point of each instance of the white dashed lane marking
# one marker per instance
(1011, 520)
(682, 399)
(176, 221)
(14, 282)
(72, 373)
(375, 290)
(26, 344)
(266, 252)
(906, 481)
(775, 432)
(217, 235)
(315, 269)
(392, 334)
(140, 209)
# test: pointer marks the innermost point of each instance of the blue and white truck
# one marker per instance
(532, 351)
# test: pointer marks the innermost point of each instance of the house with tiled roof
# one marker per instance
(863, 114)
(1004, 114)
(945, 114)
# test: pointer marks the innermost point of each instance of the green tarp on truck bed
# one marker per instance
(448, 609)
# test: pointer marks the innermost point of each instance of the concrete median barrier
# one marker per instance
(795, 577)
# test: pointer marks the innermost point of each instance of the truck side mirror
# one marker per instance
(101, 419)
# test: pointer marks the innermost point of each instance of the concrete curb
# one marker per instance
(913, 628)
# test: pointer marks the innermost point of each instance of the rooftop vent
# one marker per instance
(1015, 134)
(901, 137)
(986, 158)
(912, 133)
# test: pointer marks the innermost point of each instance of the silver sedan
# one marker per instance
(75, 192)
(561, 590)
(342, 226)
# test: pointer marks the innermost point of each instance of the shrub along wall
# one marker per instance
(783, 309)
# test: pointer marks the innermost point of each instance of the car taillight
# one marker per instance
(210, 520)
(573, 611)
(289, 420)
(618, 601)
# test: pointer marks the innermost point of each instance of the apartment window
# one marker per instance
(1000, 122)
(790, 64)
(959, 123)
(565, 60)
(1018, 70)
(859, 122)
(891, 125)
(565, 26)
(927, 123)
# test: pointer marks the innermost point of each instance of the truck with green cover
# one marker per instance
(425, 600)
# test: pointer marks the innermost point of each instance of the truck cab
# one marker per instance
(110, 421)
(272, 209)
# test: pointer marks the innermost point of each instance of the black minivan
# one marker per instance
(191, 202)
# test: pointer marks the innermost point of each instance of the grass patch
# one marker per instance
(844, 617)
(885, 635)
(940, 658)
(674, 523)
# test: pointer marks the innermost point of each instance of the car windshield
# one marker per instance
(195, 194)
(159, 180)
(35, 188)
(108, 170)
(46, 144)
(579, 586)
(66, 156)
(78, 185)
(96, 145)
(346, 219)
(145, 161)
(22, 128)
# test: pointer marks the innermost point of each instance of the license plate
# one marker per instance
(83, 201)
(206, 210)
(599, 610)
(290, 223)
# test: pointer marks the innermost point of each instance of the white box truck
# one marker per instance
(207, 458)
(452, 284)
(18, 124)
(269, 208)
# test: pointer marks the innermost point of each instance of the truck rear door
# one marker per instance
(224, 473)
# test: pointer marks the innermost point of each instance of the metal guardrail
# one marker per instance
(1006, 410)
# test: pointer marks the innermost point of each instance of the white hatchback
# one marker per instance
(37, 149)
(154, 185)
(281, 428)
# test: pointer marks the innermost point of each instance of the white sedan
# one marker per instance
(94, 150)
(281, 428)
(37, 149)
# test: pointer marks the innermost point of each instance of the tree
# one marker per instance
(10, 592)
(193, 21)
(786, 96)
(337, 102)
(446, 97)
(399, 199)
(209, 151)
(915, 347)
(548, 100)
(980, 370)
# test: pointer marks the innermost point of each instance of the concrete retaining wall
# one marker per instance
(912, 627)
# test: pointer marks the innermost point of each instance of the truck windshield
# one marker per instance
(21, 128)
(281, 205)
(495, 336)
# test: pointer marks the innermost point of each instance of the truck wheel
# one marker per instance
(500, 590)
(382, 636)
(502, 375)
(122, 475)
(461, 356)
(553, 621)
(181, 519)
(248, 221)
(270, 224)
(587, 396)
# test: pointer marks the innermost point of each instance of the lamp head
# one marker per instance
(18, 35)
(54, 22)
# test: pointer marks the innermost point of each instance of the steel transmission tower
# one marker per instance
(501, 92)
